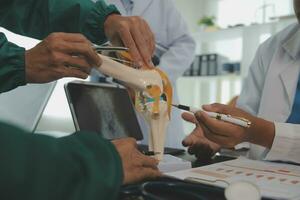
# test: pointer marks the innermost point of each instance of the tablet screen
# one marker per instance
(107, 110)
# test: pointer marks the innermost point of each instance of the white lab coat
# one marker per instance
(171, 33)
(269, 92)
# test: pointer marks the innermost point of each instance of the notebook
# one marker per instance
(274, 180)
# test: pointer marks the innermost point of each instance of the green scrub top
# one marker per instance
(39, 18)
(34, 167)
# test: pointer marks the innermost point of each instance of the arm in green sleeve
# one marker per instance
(12, 66)
(37, 19)
(35, 167)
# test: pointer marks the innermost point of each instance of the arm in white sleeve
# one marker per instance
(180, 45)
(286, 144)
(179, 57)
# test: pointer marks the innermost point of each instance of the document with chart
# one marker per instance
(279, 181)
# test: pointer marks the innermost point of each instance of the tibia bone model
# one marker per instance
(153, 98)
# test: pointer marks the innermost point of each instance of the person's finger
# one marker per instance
(144, 40)
(189, 117)
(128, 42)
(56, 37)
(149, 37)
(218, 108)
(147, 161)
(74, 37)
(73, 72)
(216, 126)
(225, 140)
(130, 141)
(220, 140)
(148, 173)
(203, 151)
(78, 62)
(141, 44)
(188, 141)
(199, 144)
(64, 61)
(80, 49)
(191, 150)
(192, 138)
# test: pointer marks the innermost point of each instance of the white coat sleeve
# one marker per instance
(286, 144)
(181, 45)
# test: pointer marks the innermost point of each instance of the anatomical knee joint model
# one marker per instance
(153, 98)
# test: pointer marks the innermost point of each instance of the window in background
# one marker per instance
(282, 7)
(228, 10)
(233, 12)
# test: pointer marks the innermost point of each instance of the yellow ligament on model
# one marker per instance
(154, 91)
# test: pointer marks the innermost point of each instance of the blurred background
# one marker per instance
(227, 34)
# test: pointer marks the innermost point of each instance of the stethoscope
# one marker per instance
(170, 189)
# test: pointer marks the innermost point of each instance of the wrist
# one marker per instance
(28, 67)
(109, 20)
(261, 132)
(94, 22)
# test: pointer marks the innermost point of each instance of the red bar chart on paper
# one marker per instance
(279, 181)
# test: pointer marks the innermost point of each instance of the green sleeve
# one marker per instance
(39, 18)
(35, 167)
(12, 66)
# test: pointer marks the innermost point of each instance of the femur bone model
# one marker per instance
(153, 97)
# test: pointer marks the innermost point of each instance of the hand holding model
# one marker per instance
(153, 97)
(136, 166)
(60, 55)
(134, 33)
(71, 55)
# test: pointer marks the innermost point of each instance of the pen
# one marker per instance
(223, 117)
(108, 48)
(150, 153)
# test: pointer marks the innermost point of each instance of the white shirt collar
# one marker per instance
(128, 6)
(291, 45)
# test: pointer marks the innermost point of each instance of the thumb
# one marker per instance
(189, 117)
(217, 107)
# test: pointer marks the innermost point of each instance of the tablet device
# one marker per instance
(24, 106)
(102, 108)
(106, 109)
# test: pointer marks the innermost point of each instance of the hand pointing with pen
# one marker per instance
(228, 135)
